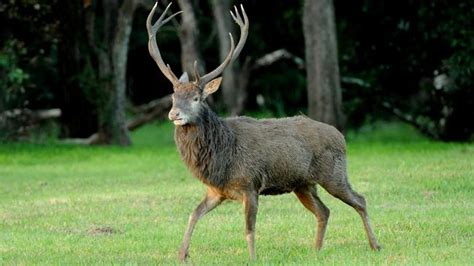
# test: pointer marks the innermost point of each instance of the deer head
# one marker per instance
(189, 97)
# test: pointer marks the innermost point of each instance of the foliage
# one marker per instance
(13, 79)
(403, 50)
(286, 98)
(63, 204)
(27, 54)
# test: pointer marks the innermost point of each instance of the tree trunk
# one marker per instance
(119, 59)
(111, 53)
(188, 35)
(322, 70)
(112, 129)
(233, 91)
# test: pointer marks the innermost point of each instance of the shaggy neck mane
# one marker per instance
(207, 147)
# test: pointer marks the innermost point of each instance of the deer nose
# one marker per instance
(173, 114)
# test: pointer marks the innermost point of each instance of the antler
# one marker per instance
(166, 70)
(216, 72)
(244, 29)
(234, 53)
(153, 46)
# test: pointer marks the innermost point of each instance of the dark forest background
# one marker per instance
(86, 63)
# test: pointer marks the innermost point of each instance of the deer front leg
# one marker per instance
(250, 201)
(210, 201)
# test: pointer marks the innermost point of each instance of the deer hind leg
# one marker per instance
(210, 201)
(309, 198)
(250, 202)
(339, 187)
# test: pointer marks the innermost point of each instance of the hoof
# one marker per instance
(318, 245)
(376, 247)
(183, 256)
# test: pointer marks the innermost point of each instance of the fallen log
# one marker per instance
(18, 123)
(156, 109)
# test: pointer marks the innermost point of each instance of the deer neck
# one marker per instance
(207, 148)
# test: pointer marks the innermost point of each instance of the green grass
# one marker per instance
(64, 204)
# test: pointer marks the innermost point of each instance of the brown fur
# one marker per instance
(270, 156)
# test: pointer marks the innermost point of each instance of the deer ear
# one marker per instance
(184, 78)
(211, 87)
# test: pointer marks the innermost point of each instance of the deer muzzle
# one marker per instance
(176, 116)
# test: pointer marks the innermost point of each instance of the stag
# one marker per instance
(241, 158)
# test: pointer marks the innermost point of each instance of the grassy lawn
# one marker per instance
(64, 204)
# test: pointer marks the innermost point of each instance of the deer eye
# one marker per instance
(196, 99)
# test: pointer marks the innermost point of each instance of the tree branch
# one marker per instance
(275, 56)
(409, 119)
(151, 111)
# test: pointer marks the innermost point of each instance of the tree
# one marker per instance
(188, 35)
(111, 52)
(322, 70)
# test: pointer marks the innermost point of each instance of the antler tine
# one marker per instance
(244, 29)
(234, 51)
(216, 72)
(153, 46)
(171, 72)
(196, 72)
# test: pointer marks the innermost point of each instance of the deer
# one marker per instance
(241, 158)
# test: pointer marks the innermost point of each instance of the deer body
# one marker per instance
(268, 156)
(241, 158)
